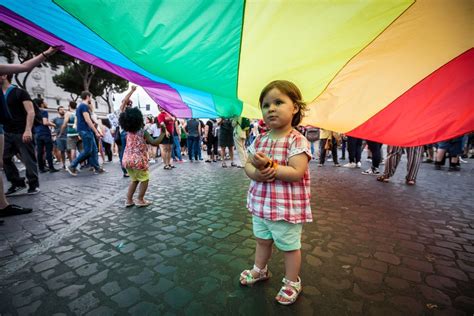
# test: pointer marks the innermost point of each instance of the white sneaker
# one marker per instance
(372, 172)
(462, 160)
(152, 160)
(358, 165)
(350, 165)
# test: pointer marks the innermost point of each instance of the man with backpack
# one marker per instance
(19, 139)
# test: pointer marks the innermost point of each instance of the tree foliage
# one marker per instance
(15, 43)
(80, 76)
(77, 75)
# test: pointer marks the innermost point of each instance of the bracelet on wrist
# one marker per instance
(44, 55)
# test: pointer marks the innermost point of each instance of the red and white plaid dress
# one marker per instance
(280, 200)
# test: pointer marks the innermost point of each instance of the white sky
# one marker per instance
(139, 97)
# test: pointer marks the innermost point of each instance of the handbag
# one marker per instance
(328, 145)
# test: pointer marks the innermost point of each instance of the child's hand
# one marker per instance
(259, 160)
(265, 175)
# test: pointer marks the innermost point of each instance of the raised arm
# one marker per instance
(127, 99)
(7, 69)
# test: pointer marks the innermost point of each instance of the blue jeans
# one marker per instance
(176, 151)
(312, 149)
(89, 151)
(193, 147)
(44, 144)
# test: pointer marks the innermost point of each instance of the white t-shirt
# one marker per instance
(154, 130)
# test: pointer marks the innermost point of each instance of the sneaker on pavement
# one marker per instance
(13, 209)
(100, 171)
(15, 190)
(337, 165)
(72, 171)
(35, 190)
(53, 170)
(372, 172)
(350, 165)
(358, 165)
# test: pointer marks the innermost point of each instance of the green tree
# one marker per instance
(16, 43)
(80, 76)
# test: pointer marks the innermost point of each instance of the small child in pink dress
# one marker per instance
(279, 193)
(135, 157)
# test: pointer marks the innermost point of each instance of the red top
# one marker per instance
(168, 120)
(280, 200)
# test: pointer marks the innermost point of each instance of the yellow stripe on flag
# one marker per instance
(427, 36)
(306, 41)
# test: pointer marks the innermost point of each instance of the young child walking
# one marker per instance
(279, 193)
(135, 157)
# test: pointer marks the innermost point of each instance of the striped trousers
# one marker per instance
(394, 154)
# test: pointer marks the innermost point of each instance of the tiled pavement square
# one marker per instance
(373, 248)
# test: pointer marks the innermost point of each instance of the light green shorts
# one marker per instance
(287, 236)
(138, 175)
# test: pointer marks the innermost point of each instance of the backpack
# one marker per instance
(245, 125)
(312, 134)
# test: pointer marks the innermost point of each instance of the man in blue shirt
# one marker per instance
(86, 130)
(44, 140)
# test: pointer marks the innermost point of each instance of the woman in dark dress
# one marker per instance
(226, 139)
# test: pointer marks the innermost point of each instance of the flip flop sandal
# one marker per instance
(289, 291)
(410, 182)
(147, 203)
(246, 275)
(129, 204)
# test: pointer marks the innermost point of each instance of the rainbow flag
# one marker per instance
(400, 72)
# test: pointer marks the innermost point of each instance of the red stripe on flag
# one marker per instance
(439, 107)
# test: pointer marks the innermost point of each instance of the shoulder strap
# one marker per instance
(10, 88)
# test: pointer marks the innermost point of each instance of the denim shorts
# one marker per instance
(287, 236)
(454, 146)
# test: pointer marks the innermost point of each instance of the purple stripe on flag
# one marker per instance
(166, 96)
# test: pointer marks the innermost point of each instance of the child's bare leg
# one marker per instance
(263, 253)
(292, 265)
(141, 191)
(131, 191)
(292, 268)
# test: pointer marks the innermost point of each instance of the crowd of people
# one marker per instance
(274, 153)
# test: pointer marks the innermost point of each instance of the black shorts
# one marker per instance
(167, 141)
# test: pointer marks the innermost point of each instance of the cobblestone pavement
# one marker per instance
(374, 248)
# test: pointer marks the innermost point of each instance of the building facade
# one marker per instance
(40, 85)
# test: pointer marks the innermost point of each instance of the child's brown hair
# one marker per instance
(291, 90)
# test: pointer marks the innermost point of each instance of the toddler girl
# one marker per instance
(279, 193)
(135, 157)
